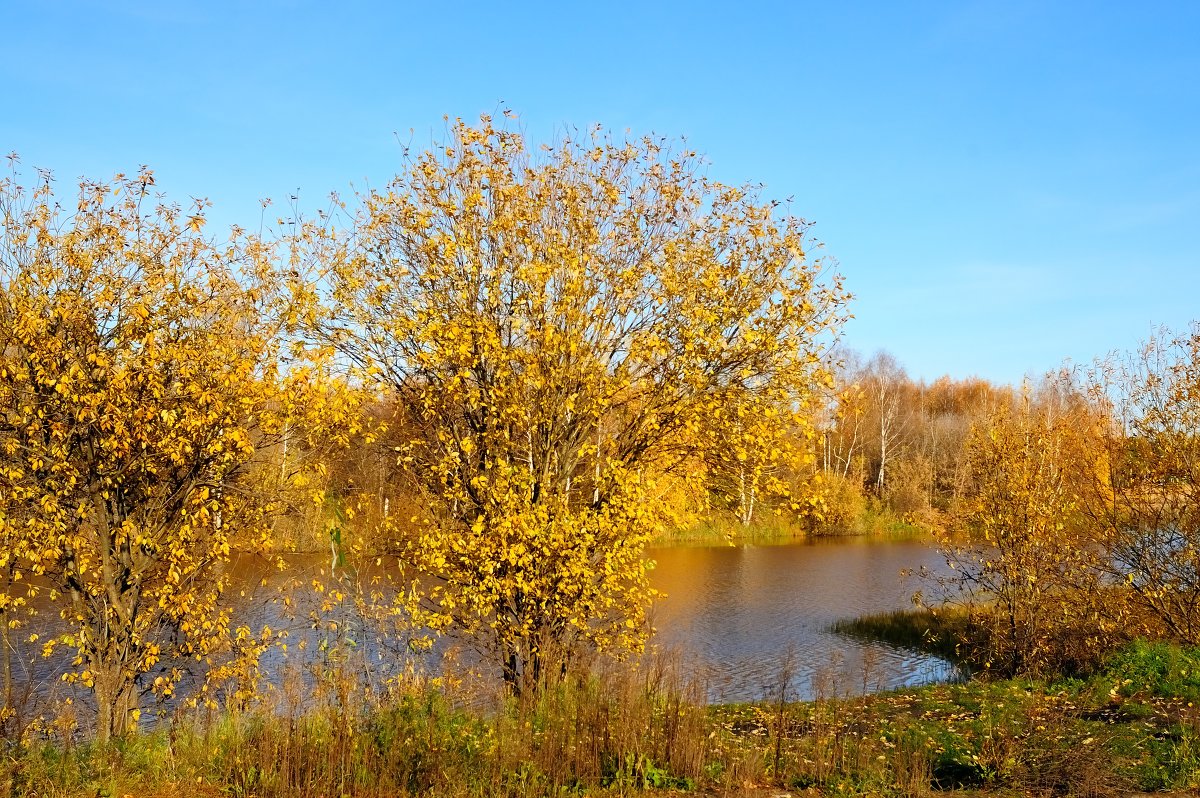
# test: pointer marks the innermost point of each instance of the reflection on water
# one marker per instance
(745, 614)
(738, 616)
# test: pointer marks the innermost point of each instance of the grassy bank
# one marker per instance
(720, 530)
(1134, 725)
(874, 520)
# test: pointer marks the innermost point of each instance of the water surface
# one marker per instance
(745, 615)
(740, 618)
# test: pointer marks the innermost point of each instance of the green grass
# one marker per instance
(1158, 670)
(933, 632)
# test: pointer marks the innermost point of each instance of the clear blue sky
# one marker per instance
(1005, 184)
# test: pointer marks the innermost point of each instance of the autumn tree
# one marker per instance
(883, 383)
(558, 327)
(1146, 499)
(758, 447)
(949, 408)
(873, 407)
(138, 375)
(844, 436)
(1021, 557)
(901, 439)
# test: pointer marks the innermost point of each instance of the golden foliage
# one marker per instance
(561, 329)
(138, 377)
(1025, 561)
(757, 449)
(1145, 491)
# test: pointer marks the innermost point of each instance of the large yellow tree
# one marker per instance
(558, 326)
(138, 376)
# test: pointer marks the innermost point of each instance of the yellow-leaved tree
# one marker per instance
(1024, 559)
(1145, 500)
(556, 327)
(138, 377)
(759, 450)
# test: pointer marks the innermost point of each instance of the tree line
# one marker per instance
(1067, 507)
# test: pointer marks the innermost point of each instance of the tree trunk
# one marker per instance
(115, 702)
(511, 669)
(882, 454)
(6, 642)
(746, 509)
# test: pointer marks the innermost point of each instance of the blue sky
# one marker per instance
(1004, 184)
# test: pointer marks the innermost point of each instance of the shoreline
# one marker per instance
(642, 732)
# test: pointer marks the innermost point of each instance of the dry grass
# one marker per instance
(616, 728)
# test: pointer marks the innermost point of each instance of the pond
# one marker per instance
(745, 615)
(747, 621)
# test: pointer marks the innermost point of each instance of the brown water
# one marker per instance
(741, 617)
